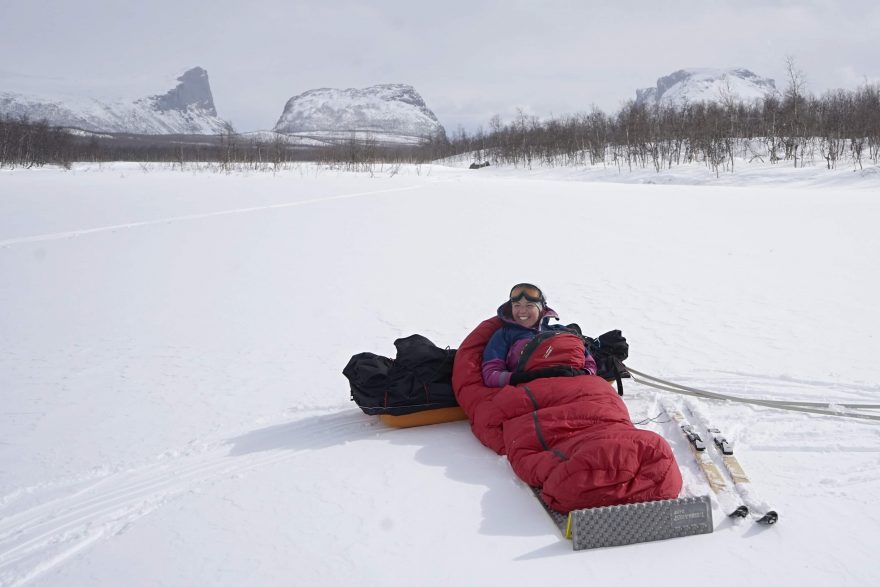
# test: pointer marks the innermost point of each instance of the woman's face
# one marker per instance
(525, 312)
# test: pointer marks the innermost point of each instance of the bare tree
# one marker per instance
(794, 99)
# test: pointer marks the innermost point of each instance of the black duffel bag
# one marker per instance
(419, 378)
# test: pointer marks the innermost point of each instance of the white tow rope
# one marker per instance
(825, 409)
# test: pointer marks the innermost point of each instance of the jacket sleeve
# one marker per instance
(494, 367)
(590, 364)
(495, 373)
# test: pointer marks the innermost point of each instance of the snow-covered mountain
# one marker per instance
(187, 108)
(707, 85)
(386, 111)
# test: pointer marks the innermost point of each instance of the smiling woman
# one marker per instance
(525, 315)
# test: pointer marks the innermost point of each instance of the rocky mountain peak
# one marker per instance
(193, 90)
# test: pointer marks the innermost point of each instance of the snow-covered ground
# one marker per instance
(171, 345)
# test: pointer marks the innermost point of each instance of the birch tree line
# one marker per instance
(29, 144)
(843, 125)
(26, 144)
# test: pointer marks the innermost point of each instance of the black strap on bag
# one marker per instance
(617, 376)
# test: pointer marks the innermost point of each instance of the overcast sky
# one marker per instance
(469, 59)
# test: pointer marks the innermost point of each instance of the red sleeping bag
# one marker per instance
(570, 436)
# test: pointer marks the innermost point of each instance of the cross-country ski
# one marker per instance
(729, 500)
(744, 487)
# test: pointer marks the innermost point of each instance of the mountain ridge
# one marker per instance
(706, 85)
(187, 108)
(386, 109)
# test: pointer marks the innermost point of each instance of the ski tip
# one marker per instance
(769, 518)
(740, 512)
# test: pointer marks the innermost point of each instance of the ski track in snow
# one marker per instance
(36, 538)
(187, 217)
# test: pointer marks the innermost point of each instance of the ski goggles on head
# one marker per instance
(528, 291)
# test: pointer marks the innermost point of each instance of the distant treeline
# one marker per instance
(30, 144)
(24, 143)
(843, 125)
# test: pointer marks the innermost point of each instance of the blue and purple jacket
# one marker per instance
(505, 347)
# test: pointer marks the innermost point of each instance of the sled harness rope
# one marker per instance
(825, 409)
